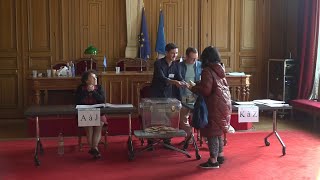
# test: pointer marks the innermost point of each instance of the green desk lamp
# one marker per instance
(92, 51)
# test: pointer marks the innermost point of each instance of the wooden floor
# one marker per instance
(17, 128)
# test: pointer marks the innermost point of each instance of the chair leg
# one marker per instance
(105, 138)
(79, 139)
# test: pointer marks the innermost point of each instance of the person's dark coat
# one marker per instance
(215, 90)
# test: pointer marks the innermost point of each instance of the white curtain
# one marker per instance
(315, 89)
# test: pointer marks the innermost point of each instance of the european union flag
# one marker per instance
(145, 50)
(161, 40)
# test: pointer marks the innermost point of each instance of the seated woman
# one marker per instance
(88, 93)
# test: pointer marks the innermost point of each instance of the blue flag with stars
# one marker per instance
(145, 50)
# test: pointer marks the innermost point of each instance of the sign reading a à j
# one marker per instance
(89, 117)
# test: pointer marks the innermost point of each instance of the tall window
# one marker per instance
(315, 89)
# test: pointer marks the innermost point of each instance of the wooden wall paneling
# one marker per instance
(263, 46)
(180, 21)
(114, 89)
(292, 21)
(37, 33)
(56, 28)
(217, 28)
(8, 82)
(40, 34)
(43, 34)
(246, 41)
(39, 26)
(8, 30)
(277, 28)
(102, 24)
(280, 35)
(11, 96)
(11, 68)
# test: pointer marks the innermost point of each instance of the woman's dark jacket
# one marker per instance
(215, 90)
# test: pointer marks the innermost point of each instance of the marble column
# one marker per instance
(133, 13)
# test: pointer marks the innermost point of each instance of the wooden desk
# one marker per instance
(40, 88)
(120, 88)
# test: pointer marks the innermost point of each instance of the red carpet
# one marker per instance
(246, 158)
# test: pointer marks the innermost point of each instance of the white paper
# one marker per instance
(104, 105)
(244, 102)
(277, 105)
(236, 74)
(247, 113)
(118, 105)
(90, 106)
(268, 101)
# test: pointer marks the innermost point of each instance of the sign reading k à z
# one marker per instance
(248, 113)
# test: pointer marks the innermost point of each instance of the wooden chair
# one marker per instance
(132, 64)
(84, 64)
(104, 133)
(143, 91)
(58, 65)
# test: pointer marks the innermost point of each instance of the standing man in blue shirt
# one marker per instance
(166, 75)
(190, 71)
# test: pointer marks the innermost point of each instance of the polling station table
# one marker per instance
(45, 110)
(263, 107)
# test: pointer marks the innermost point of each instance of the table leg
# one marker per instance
(39, 147)
(130, 146)
(274, 124)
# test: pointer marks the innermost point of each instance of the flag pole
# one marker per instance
(140, 39)
(140, 58)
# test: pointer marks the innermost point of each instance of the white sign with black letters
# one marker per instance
(88, 117)
(248, 113)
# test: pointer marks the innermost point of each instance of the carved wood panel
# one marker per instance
(93, 22)
(11, 96)
(246, 44)
(11, 88)
(217, 28)
(181, 21)
(8, 30)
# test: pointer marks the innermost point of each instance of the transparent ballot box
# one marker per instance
(160, 115)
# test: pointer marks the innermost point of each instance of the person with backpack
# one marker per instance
(215, 91)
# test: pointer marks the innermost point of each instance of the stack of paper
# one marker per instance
(119, 105)
(268, 101)
(90, 106)
(104, 105)
(244, 102)
(271, 103)
(236, 74)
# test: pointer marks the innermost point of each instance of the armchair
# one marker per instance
(84, 64)
(132, 64)
(58, 65)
